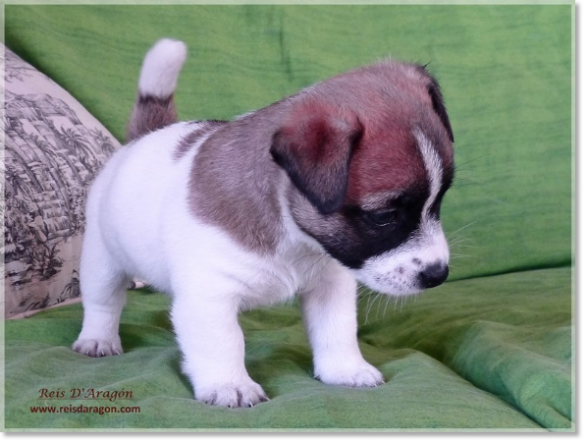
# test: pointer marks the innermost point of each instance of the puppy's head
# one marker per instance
(369, 156)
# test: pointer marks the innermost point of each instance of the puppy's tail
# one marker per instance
(154, 107)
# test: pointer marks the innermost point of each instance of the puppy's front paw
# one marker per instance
(232, 395)
(98, 347)
(358, 375)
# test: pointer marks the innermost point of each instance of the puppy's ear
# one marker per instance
(315, 151)
(437, 100)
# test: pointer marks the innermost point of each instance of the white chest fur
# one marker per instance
(277, 279)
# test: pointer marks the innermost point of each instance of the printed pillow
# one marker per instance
(53, 150)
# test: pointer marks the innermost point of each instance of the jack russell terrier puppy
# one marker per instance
(340, 182)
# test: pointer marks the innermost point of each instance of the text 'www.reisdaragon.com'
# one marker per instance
(83, 409)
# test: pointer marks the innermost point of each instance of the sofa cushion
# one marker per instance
(53, 150)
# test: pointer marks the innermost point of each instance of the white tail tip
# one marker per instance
(161, 67)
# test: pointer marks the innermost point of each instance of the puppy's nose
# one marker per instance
(434, 275)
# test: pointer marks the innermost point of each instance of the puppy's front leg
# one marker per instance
(329, 312)
(212, 343)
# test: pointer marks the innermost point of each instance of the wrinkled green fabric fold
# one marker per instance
(492, 353)
(510, 335)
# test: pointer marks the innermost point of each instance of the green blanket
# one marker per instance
(491, 349)
(485, 353)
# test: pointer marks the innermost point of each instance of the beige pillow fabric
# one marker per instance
(53, 150)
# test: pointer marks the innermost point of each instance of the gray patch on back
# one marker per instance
(188, 141)
(233, 184)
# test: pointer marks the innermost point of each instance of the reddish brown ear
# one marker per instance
(315, 150)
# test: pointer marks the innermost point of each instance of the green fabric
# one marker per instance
(490, 352)
(485, 353)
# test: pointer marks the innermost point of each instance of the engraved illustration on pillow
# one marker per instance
(53, 150)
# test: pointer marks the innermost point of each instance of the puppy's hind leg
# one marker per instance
(103, 289)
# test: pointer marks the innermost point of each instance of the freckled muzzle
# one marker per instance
(401, 280)
(421, 263)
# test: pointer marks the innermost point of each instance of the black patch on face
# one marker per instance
(363, 234)
(360, 235)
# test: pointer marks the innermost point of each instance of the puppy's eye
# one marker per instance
(381, 219)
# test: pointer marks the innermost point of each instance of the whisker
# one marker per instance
(463, 227)
(368, 304)
(378, 309)
(371, 305)
(459, 241)
(461, 247)
(458, 166)
(463, 256)
(386, 306)
(458, 181)
(395, 302)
